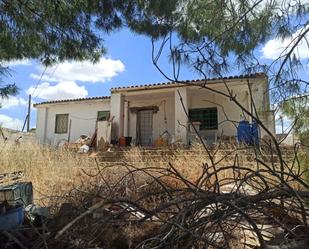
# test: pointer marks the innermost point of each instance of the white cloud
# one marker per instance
(13, 63)
(280, 47)
(62, 90)
(85, 71)
(43, 77)
(12, 102)
(9, 122)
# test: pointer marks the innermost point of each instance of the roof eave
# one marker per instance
(56, 102)
(185, 83)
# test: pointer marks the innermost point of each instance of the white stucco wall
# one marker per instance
(163, 120)
(229, 113)
(41, 119)
(117, 107)
(182, 106)
(83, 116)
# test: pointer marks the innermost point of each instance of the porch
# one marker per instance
(152, 114)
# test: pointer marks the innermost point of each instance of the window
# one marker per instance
(208, 117)
(103, 115)
(61, 125)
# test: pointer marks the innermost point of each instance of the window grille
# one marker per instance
(61, 125)
(103, 115)
(208, 117)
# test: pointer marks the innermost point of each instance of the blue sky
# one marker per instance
(127, 62)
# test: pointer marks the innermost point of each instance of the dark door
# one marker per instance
(144, 127)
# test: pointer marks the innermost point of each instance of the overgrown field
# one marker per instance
(149, 198)
(56, 172)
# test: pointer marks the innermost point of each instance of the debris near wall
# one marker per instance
(83, 142)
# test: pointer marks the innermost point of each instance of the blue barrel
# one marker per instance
(255, 133)
(244, 132)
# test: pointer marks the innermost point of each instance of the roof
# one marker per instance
(186, 82)
(72, 100)
(158, 85)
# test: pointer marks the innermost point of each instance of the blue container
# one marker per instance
(248, 133)
(255, 133)
(12, 218)
(244, 132)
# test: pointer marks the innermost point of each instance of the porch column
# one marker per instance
(117, 115)
(181, 119)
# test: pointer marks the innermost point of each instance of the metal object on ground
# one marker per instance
(17, 194)
(32, 211)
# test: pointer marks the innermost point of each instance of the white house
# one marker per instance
(147, 112)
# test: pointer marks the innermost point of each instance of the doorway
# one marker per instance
(144, 127)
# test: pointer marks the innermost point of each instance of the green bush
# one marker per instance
(304, 164)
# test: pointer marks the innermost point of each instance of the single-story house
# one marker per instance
(147, 112)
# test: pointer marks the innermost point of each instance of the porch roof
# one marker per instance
(186, 82)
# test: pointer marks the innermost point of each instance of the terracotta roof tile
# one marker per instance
(147, 86)
(72, 100)
(243, 76)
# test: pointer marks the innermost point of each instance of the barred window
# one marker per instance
(103, 115)
(61, 125)
(208, 117)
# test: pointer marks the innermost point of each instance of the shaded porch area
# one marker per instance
(151, 116)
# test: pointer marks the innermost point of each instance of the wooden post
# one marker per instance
(29, 110)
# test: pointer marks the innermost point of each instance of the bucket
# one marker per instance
(122, 141)
(125, 141)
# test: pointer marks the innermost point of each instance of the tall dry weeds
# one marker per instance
(56, 172)
(53, 172)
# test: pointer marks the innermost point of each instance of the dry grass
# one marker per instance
(52, 172)
(189, 163)
(55, 172)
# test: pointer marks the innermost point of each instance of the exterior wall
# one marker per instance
(229, 113)
(260, 95)
(170, 116)
(116, 106)
(103, 133)
(166, 109)
(41, 119)
(83, 116)
(182, 105)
